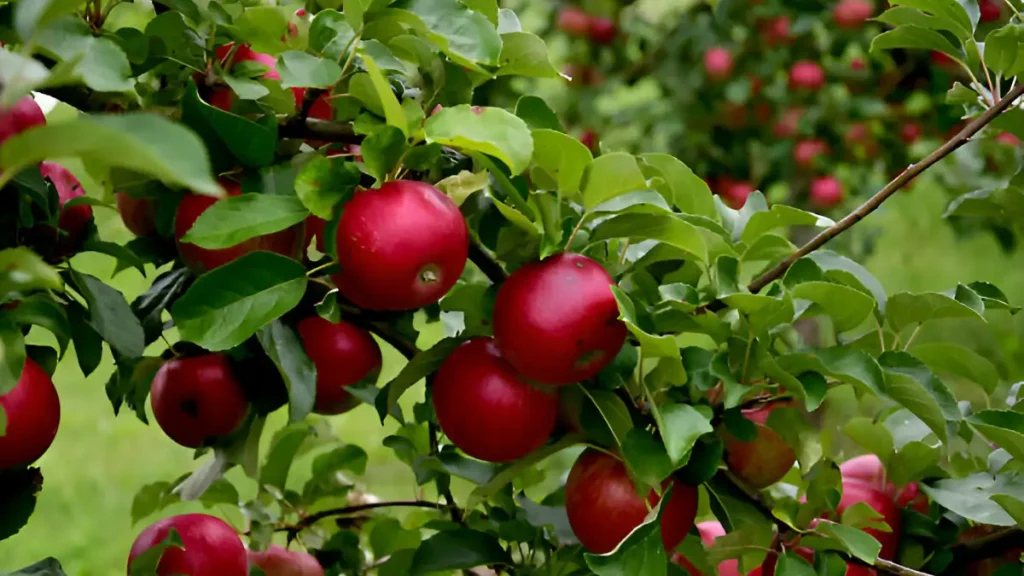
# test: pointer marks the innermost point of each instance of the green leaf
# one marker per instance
(524, 54)
(665, 228)
(152, 498)
(684, 189)
(873, 436)
(1004, 427)
(147, 562)
(850, 365)
(1002, 48)
(393, 111)
(780, 216)
(959, 361)
(22, 270)
(424, 363)
(681, 426)
(1013, 506)
(992, 297)
(492, 131)
(383, 150)
(792, 564)
(842, 269)
(903, 15)
(971, 497)
(646, 457)
(234, 220)
(227, 305)
(45, 567)
(512, 471)
(285, 349)
(915, 37)
(563, 157)
(348, 457)
(909, 382)
(847, 307)
(150, 305)
(300, 69)
(950, 12)
(905, 309)
(609, 176)
(229, 136)
(323, 183)
(42, 310)
(458, 549)
(641, 552)
(12, 356)
(110, 315)
(30, 17)
(463, 34)
(461, 186)
(99, 63)
(88, 345)
(853, 540)
(283, 449)
(538, 116)
(330, 34)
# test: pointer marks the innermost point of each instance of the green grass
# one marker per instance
(99, 461)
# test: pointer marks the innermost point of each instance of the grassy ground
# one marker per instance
(99, 461)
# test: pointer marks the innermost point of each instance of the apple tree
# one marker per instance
(308, 182)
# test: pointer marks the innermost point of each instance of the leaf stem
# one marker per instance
(872, 204)
(913, 336)
(575, 230)
(447, 491)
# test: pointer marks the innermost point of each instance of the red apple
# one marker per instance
(343, 355)
(603, 30)
(869, 470)
(1007, 139)
(735, 193)
(320, 110)
(138, 214)
(708, 532)
(590, 139)
(852, 13)
(210, 547)
(488, 410)
(224, 97)
(199, 260)
(807, 75)
(910, 132)
(278, 561)
(574, 22)
(764, 460)
(74, 220)
(401, 247)
(23, 115)
(776, 31)
(197, 398)
(604, 507)
(556, 321)
(826, 192)
(718, 63)
(788, 123)
(858, 64)
(990, 10)
(806, 152)
(854, 492)
(32, 409)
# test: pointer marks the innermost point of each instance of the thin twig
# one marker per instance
(447, 492)
(891, 188)
(315, 129)
(486, 263)
(350, 510)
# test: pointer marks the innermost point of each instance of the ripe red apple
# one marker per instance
(23, 115)
(860, 140)
(343, 355)
(320, 110)
(718, 63)
(910, 132)
(776, 31)
(764, 460)
(852, 13)
(603, 30)
(854, 492)
(278, 561)
(603, 506)
(286, 242)
(197, 398)
(807, 75)
(734, 193)
(74, 220)
(487, 409)
(32, 409)
(223, 97)
(210, 547)
(806, 152)
(990, 10)
(574, 21)
(1007, 139)
(868, 469)
(708, 532)
(138, 214)
(788, 123)
(590, 139)
(858, 64)
(401, 247)
(826, 192)
(556, 321)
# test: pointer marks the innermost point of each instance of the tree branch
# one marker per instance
(350, 510)
(314, 129)
(964, 136)
(989, 546)
(447, 491)
(486, 263)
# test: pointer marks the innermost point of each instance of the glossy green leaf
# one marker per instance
(227, 305)
(229, 136)
(641, 552)
(458, 549)
(420, 366)
(45, 312)
(971, 496)
(538, 116)
(456, 30)
(1004, 427)
(681, 426)
(665, 228)
(959, 361)
(847, 307)
(285, 349)
(234, 220)
(331, 35)
(511, 471)
(300, 69)
(393, 111)
(143, 142)
(853, 540)
(383, 150)
(912, 384)
(906, 309)
(609, 176)
(645, 455)
(524, 54)
(915, 37)
(682, 187)
(563, 157)
(843, 363)
(780, 216)
(323, 183)
(110, 315)
(492, 131)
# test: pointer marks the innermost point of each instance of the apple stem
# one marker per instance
(872, 204)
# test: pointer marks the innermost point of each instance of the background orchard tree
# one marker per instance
(314, 183)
